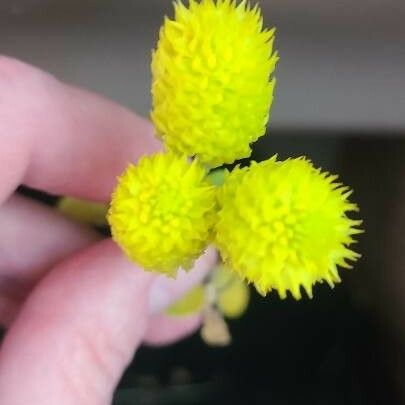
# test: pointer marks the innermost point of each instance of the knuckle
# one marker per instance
(17, 75)
(13, 70)
(96, 356)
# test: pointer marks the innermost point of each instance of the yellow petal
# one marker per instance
(234, 299)
(191, 303)
(215, 331)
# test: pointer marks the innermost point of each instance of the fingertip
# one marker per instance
(77, 331)
(165, 330)
(165, 291)
(96, 138)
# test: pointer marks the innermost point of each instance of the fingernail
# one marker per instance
(159, 296)
(164, 291)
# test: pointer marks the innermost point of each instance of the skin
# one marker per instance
(75, 308)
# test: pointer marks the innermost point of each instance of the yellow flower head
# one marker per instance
(161, 212)
(283, 225)
(211, 85)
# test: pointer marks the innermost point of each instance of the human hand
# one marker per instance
(75, 308)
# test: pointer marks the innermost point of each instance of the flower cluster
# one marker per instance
(280, 225)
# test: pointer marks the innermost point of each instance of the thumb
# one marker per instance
(77, 331)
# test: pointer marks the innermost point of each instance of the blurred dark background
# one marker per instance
(340, 100)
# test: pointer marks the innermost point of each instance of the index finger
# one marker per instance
(62, 139)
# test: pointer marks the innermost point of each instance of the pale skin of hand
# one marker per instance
(75, 308)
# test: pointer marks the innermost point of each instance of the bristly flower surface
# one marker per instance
(282, 225)
(162, 212)
(212, 88)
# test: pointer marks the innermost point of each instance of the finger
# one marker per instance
(43, 234)
(165, 329)
(8, 310)
(32, 239)
(166, 291)
(78, 330)
(62, 139)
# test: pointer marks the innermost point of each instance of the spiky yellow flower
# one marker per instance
(211, 85)
(161, 212)
(283, 225)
